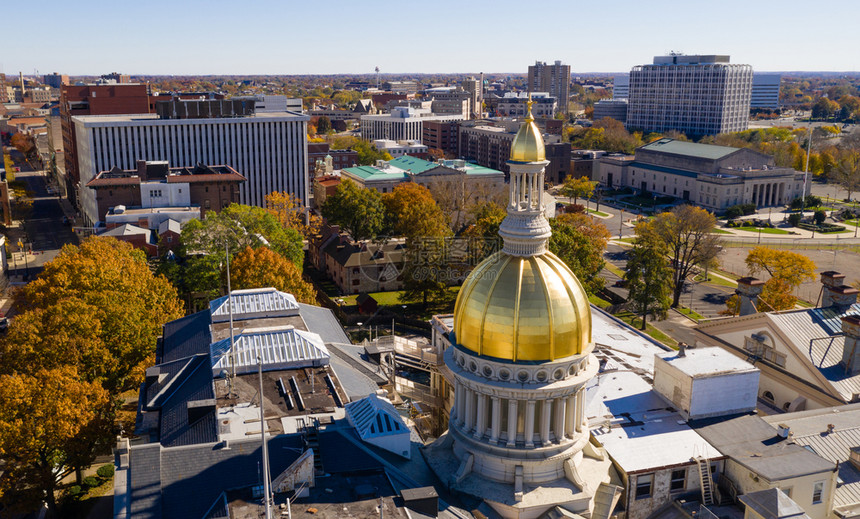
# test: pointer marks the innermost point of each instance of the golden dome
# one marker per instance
(528, 143)
(523, 309)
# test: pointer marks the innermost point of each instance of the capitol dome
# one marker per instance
(527, 145)
(523, 309)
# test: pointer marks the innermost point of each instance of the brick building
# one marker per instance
(155, 184)
(94, 100)
(442, 135)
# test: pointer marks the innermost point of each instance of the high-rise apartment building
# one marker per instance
(765, 91)
(554, 79)
(116, 76)
(621, 86)
(269, 149)
(55, 80)
(696, 95)
(475, 87)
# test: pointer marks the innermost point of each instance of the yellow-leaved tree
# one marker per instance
(262, 267)
(787, 270)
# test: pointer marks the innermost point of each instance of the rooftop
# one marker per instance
(705, 362)
(689, 149)
(159, 171)
(402, 168)
(773, 503)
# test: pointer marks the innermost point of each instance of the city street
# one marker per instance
(44, 232)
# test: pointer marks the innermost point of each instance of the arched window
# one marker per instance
(767, 395)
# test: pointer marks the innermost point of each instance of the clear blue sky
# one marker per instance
(327, 37)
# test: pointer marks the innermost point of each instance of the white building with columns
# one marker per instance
(519, 361)
(712, 177)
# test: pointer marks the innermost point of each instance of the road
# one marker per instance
(44, 232)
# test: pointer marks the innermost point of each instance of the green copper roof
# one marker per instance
(690, 149)
(406, 165)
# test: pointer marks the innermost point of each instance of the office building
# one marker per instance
(695, 95)
(513, 104)
(403, 123)
(554, 79)
(613, 108)
(270, 149)
(76, 100)
(401, 148)
(475, 87)
(621, 86)
(55, 80)
(116, 77)
(273, 103)
(765, 91)
(712, 177)
(4, 93)
(441, 135)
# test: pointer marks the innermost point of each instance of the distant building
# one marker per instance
(55, 80)
(157, 185)
(613, 108)
(4, 93)
(475, 88)
(695, 95)
(273, 103)
(339, 158)
(402, 87)
(621, 86)
(116, 77)
(712, 177)
(554, 79)
(441, 135)
(403, 123)
(513, 104)
(456, 102)
(765, 91)
(401, 148)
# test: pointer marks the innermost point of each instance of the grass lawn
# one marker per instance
(627, 240)
(615, 270)
(717, 230)
(691, 313)
(599, 302)
(855, 222)
(716, 280)
(763, 230)
(597, 213)
(654, 333)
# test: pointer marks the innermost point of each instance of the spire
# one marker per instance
(525, 230)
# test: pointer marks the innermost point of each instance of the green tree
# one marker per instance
(846, 172)
(47, 423)
(359, 211)
(574, 188)
(324, 125)
(263, 267)
(579, 241)
(367, 153)
(686, 239)
(649, 278)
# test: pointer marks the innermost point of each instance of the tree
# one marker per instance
(111, 282)
(579, 241)
(47, 423)
(263, 267)
(23, 143)
(787, 271)
(287, 208)
(411, 211)
(649, 278)
(240, 226)
(324, 124)
(819, 216)
(359, 211)
(846, 172)
(574, 188)
(687, 241)
(367, 153)
(483, 234)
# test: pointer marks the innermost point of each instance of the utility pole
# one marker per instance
(266, 494)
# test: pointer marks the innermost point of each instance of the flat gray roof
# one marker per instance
(704, 362)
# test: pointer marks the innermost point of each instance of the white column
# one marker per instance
(495, 419)
(560, 406)
(570, 416)
(530, 423)
(545, 415)
(460, 399)
(470, 410)
(580, 410)
(481, 423)
(512, 423)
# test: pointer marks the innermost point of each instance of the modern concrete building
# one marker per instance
(273, 103)
(695, 95)
(765, 91)
(403, 123)
(269, 148)
(554, 79)
(401, 148)
(621, 86)
(713, 177)
(613, 108)
(475, 87)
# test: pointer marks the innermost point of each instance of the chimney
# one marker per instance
(748, 290)
(835, 292)
(851, 344)
(141, 169)
(783, 430)
(682, 349)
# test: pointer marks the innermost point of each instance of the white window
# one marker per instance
(817, 491)
(643, 485)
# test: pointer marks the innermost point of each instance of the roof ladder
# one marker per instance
(705, 481)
